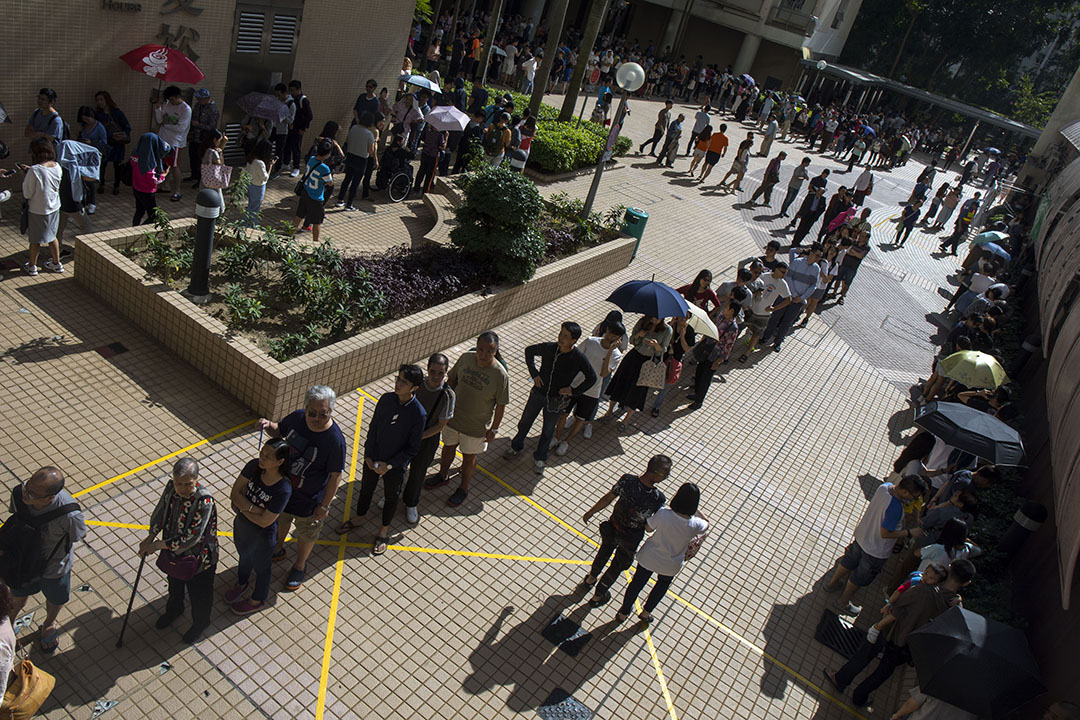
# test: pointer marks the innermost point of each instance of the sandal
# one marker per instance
(379, 547)
(48, 642)
(645, 617)
(347, 527)
(597, 600)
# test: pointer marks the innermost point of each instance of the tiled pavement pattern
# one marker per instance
(785, 450)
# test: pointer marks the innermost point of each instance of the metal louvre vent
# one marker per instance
(234, 154)
(283, 34)
(249, 31)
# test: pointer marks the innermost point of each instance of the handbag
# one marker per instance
(303, 181)
(180, 567)
(695, 545)
(555, 403)
(653, 373)
(24, 217)
(27, 690)
(216, 177)
(674, 369)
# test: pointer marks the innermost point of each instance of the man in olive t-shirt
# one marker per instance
(482, 387)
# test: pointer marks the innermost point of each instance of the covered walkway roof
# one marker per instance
(863, 78)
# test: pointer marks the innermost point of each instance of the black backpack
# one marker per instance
(23, 558)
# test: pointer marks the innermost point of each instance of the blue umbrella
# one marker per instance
(867, 130)
(997, 250)
(649, 297)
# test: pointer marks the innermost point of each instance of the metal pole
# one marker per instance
(207, 210)
(584, 102)
(616, 125)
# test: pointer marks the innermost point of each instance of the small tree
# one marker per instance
(497, 223)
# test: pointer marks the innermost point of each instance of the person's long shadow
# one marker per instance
(788, 630)
(897, 423)
(526, 660)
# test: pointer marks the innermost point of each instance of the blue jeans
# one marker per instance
(255, 195)
(661, 395)
(254, 545)
(534, 407)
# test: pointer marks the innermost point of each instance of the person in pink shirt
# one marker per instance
(147, 172)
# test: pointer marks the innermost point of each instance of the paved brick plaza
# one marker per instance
(447, 624)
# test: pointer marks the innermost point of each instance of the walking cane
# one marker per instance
(134, 589)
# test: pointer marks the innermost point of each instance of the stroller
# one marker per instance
(395, 172)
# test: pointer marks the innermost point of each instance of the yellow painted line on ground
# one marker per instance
(887, 220)
(162, 459)
(660, 673)
(328, 646)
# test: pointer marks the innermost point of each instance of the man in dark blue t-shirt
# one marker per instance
(393, 440)
(316, 461)
(638, 499)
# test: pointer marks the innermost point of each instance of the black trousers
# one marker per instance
(144, 203)
(623, 545)
(428, 164)
(702, 380)
(763, 189)
(658, 135)
(418, 468)
(355, 171)
(953, 240)
(279, 151)
(195, 160)
(292, 155)
(200, 590)
(805, 223)
(892, 657)
(391, 487)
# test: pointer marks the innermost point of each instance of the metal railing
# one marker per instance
(795, 19)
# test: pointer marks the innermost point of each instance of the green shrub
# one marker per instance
(237, 261)
(497, 223)
(292, 344)
(243, 309)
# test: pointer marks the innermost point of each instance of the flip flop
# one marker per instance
(48, 642)
(379, 547)
(347, 527)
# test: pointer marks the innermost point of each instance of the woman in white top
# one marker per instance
(7, 637)
(41, 189)
(213, 154)
(260, 158)
(663, 553)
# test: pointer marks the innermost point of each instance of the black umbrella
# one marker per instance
(972, 431)
(976, 664)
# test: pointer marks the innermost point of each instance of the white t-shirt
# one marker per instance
(1005, 290)
(885, 512)
(863, 181)
(663, 552)
(257, 170)
(41, 188)
(980, 282)
(701, 119)
(594, 352)
(174, 121)
(827, 270)
(771, 291)
(937, 553)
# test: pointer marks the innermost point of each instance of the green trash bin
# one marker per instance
(634, 225)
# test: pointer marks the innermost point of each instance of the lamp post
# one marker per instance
(629, 78)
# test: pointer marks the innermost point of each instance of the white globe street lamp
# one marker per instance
(629, 77)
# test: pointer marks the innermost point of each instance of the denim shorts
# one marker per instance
(864, 568)
(56, 590)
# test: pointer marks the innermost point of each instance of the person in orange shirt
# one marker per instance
(718, 145)
(474, 53)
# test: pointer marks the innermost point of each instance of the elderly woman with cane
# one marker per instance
(186, 517)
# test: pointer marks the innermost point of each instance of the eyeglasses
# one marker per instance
(27, 495)
(317, 415)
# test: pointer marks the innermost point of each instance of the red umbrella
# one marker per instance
(163, 63)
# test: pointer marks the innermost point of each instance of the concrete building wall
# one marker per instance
(647, 24)
(778, 62)
(341, 44)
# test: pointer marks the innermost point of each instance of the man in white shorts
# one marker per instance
(603, 355)
(482, 387)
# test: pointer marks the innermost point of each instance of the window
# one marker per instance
(249, 32)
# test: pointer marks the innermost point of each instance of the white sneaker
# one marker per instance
(587, 433)
(30, 269)
(340, 204)
(5, 195)
(412, 515)
(872, 634)
(295, 173)
(562, 448)
(53, 267)
(554, 442)
(538, 467)
(91, 209)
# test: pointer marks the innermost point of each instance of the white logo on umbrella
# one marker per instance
(155, 62)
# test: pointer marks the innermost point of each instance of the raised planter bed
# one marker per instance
(272, 388)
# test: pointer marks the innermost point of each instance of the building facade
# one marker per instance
(765, 38)
(331, 46)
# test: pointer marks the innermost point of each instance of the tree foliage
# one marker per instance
(966, 49)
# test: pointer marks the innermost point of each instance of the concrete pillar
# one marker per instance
(534, 10)
(671, 32)
(747, 52)
(847, 97)
(862, 98)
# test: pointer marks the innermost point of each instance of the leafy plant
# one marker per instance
(292, 344)
(243, 309)
(497, 223)
(326, 257)
(294, 275)
(237, 261)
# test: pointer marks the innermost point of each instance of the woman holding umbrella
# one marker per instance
(649, 339)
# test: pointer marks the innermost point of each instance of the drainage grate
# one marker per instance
(560, 706)
(839, 634)
(567, 635)
(110, 350)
